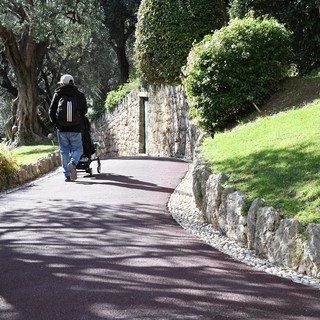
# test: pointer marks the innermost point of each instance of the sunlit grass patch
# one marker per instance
(29, 154)
(276, 158)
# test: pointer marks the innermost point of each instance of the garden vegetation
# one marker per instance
(235, 69)
(165, 33)
(276, 158)
(229, 55)
(8, 167)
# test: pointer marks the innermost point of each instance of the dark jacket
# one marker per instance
(82, 103)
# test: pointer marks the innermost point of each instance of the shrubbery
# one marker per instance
(165, 33)
(299, 16)
(115, 96)
(8, 167)
(235, 67)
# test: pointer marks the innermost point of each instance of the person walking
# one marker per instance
(67, 109)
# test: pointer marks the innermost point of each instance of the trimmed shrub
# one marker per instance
(165, 32)
(235, 67)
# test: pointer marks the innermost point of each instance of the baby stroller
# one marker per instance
(90, 151)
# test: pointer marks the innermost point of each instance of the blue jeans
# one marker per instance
(70, 144)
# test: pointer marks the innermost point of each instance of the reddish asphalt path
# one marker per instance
(105, 247)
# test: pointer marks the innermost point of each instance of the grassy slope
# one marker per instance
(276, 157)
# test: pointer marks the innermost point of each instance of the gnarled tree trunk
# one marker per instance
(25, 55)
(27, 120)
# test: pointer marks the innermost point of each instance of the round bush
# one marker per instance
(236, 66)
(165, 32)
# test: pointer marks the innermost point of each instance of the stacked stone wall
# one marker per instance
(170, 132)
(117, 130)
(32, 171)
(262, 229)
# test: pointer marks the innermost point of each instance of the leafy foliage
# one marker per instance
(301, 17)
(39, 37)
(46, 20)
(120, 18)
(165, 32)
(236, 66)
(8, 166)
(115, 96)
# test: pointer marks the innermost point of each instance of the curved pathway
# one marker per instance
(106, 247)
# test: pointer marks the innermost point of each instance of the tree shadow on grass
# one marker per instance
(279, 176)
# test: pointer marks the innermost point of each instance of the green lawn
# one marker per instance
(28, 154)
(276, 158)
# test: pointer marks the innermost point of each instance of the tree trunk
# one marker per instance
(4, 75)
(25, 55)
(27, 120)
(123, 63)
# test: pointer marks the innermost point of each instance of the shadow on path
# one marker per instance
(123, 181)
(64, 259)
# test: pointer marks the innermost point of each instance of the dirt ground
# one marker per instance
(293, 93)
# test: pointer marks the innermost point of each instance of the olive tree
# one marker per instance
(28, 28)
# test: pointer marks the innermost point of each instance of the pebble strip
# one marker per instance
(183, 210)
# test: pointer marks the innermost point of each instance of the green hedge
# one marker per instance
(165, 33)
(235, 67)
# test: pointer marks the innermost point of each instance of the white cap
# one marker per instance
(65, 79)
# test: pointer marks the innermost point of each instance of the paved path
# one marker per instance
(106, 247)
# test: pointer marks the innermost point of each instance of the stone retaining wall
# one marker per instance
(153, 121)
(32, 171)
(262, 229)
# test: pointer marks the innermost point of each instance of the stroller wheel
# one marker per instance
(89, 170)
(99, 166)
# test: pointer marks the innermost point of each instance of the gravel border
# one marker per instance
(184, 211)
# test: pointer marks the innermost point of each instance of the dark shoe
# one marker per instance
(73, 171)
(68, 179)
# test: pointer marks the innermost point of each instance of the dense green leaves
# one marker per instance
(119, 19)
(33, 33)
(165, 33)
(71, 19)
(115, 96)
(235, 67)
(66, 31)
(301, 17)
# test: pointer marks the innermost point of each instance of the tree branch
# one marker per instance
(11, 46)
(129, 31)
(18, 11)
